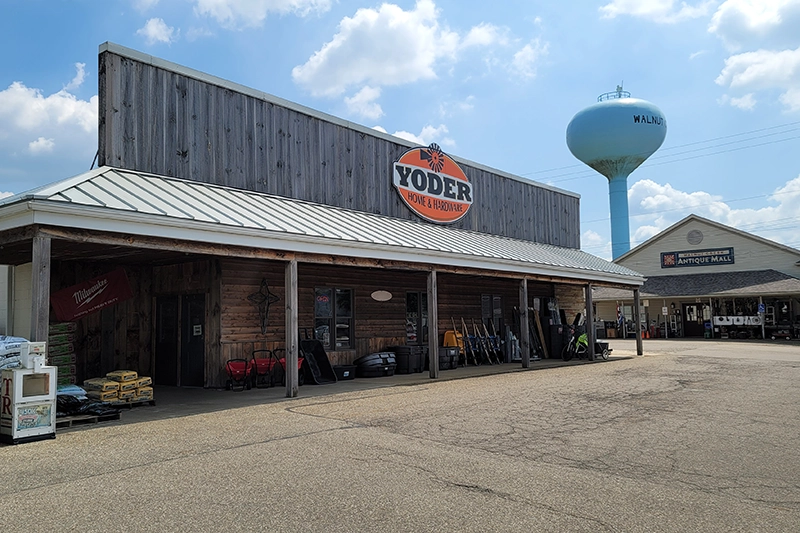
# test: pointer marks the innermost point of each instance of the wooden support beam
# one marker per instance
(590, 321)
(433, 325)
(40, 289)
(292, 333)
(637, 319)
(223, 250)
(524, 329)
(17, 235)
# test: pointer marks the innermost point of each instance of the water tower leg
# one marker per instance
(620, 226)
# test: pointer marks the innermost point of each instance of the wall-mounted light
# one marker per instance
(672, 305)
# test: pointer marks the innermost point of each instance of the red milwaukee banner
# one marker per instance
(90, 296)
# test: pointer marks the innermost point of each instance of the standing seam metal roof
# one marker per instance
(175, 199)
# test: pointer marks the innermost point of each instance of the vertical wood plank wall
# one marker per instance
(160, 121)
(378, 325)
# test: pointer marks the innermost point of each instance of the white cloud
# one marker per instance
(596, 244)
(527, 59)
(363, 103)
(144, 5)
(80, 75)
(193, 34)
(156, 30)
(757, 23)
(41, 146)
(746, 102)
(448, 109)
(428, 135)
(791, 99)
(252, 13)
(27, 109)
(5, 194)
(668, 205)
(765, 69)
(381, 47)
(33, 123)
(662, 11)
(484, 35)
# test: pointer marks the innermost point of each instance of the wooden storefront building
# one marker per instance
(240, 219)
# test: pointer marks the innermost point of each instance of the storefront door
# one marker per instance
(694, 319)
(193, 323)
(180, 340)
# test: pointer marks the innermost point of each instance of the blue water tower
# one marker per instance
(615, 136)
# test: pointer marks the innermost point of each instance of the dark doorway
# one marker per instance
(193, 320)
(694, 319)
(167, 337)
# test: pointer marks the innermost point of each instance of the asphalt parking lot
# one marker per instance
(695, 436)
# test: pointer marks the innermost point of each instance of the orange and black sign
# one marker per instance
(432, 184)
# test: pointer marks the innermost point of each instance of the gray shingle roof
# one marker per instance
(717, 284)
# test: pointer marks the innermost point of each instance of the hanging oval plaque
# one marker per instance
(381, 296)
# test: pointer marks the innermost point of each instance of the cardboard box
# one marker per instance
(144, 381)
(611, 333)
(103, 396)
(101, 384)
(123, 375)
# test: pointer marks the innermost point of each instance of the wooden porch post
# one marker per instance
(636, 320)
(40, 289)
(433, 326)
(292, 334)
(590, 321)
(524, 341)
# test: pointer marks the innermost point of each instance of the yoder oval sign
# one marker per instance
(432, 184)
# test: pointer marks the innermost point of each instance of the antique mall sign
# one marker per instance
(716, 256)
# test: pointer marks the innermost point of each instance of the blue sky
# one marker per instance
(493, 82)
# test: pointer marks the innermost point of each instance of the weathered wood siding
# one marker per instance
(154, 119)
(378, 325)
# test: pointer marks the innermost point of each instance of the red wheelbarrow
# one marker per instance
(239, 374)
(301, 375)
(267, 370)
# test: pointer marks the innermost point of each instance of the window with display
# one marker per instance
(333, 317)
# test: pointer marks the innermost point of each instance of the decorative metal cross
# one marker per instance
(262, 300)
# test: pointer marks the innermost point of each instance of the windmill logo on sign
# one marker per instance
(262, 300)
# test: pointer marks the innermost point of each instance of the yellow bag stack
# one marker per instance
(132, 387)
(144, 394)
(127, 381)
(101, 384)
(103, 396)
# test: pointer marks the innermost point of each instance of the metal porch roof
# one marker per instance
(109, 199)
